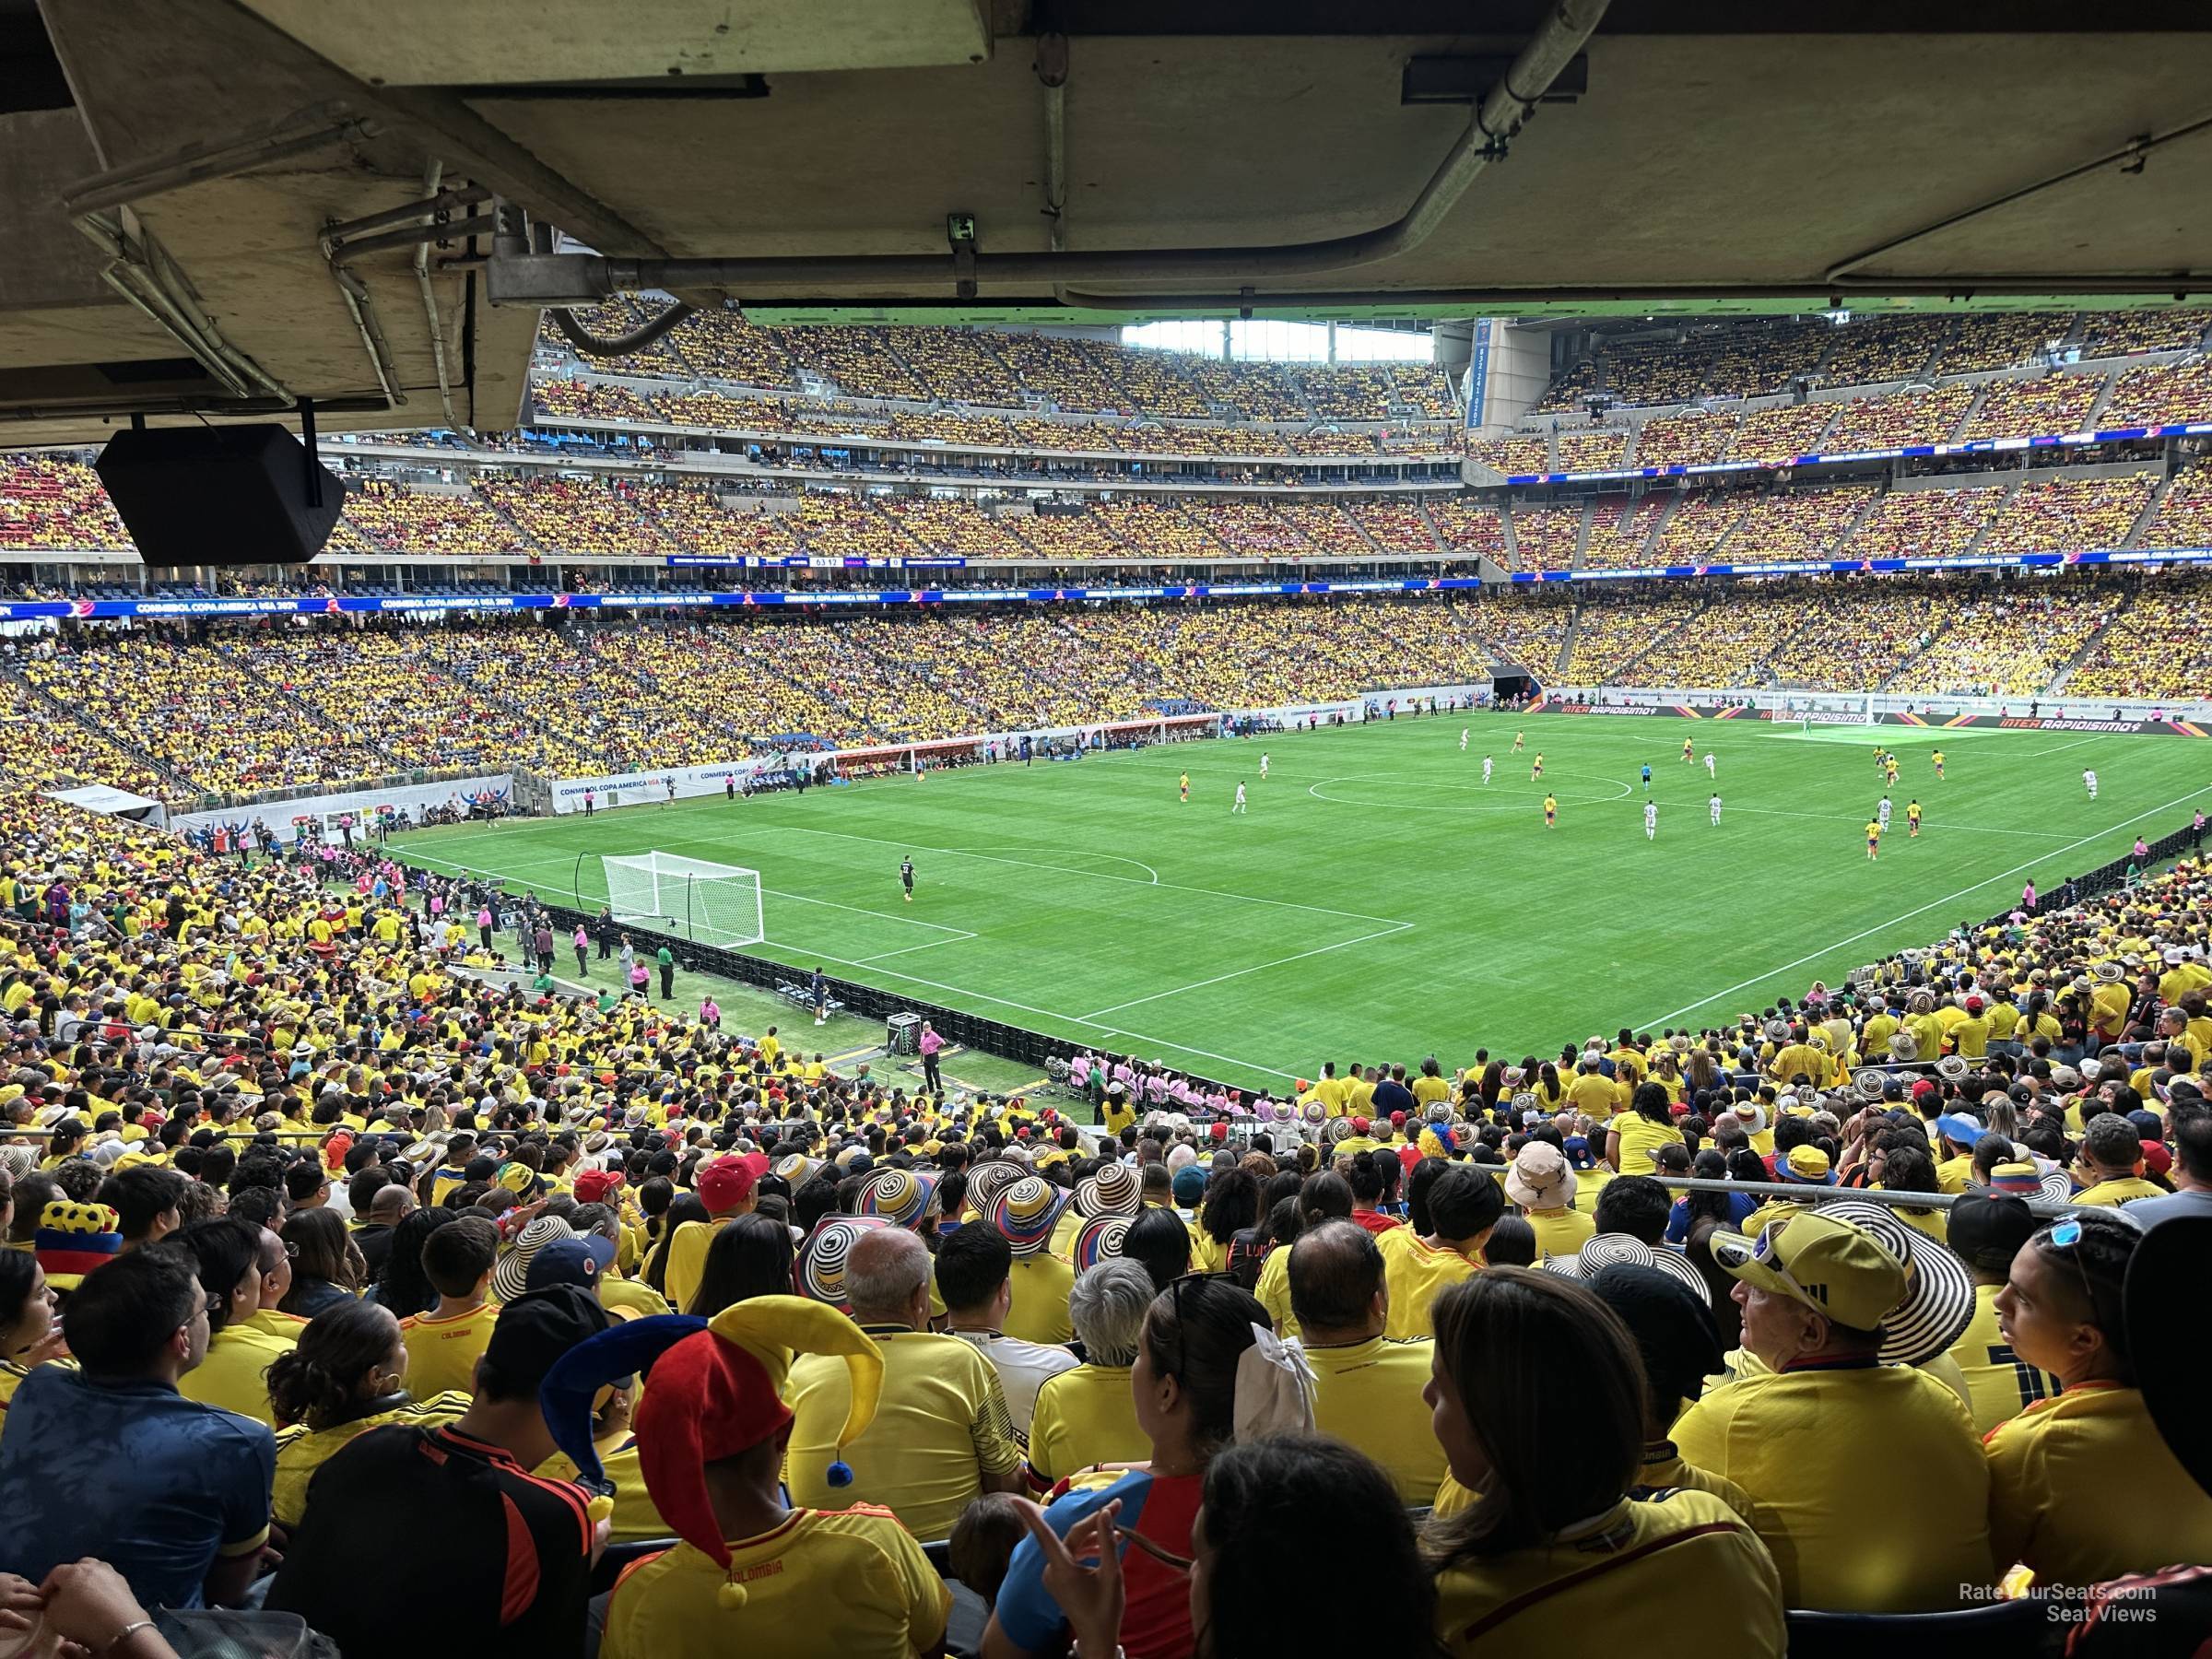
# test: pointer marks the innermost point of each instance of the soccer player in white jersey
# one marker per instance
(1240, 805)
(1462, 740)
(1485, 769)
(2089, 780)
(1881, 813)
(1715, 805)
(1651, 820)
(1263, 766)
(1708, 771)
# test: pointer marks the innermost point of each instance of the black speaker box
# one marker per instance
(220, 495)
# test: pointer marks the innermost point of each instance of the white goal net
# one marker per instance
(712, 903)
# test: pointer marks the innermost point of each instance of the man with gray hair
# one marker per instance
(1089, 1414)
(1366, 1386)
(942, 1435)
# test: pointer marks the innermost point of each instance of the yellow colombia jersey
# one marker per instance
(1999, 1384)
(942, 1416)
(1795, 1440)
(1368, 1396)
(1609, 1582)
(851, 1582)
(1873, 830)
(443, 1353)
(234, 1375)
(1085, 1415)
(1417, 1273)
(1039, 1312)
(2082, 1490)
(300, 1451)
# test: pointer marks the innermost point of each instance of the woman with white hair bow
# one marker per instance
(1209, 1373)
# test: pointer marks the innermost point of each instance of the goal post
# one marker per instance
(711, 903)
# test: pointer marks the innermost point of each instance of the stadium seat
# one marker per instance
(2010, 1630)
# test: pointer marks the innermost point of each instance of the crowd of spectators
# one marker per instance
(1926, 524)
(1620, 529)
(1696, 437)
(1697, 531)
(1601, 449)
(51, 501)
(2068, 515)
(393, 518)
(1545, 534)
(349, 1243)
(1880, 422)
(2035, 405)
(2158, 328)
(2011, 642)
(2185, 515)
(1788, 525)
(1612, 630)
(206, 716)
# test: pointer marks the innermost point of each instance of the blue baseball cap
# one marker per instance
(1962, 1127)
(576, 1261)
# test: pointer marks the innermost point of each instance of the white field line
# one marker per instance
(1383, 932)
(1919, 910)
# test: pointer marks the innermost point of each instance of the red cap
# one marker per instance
(1973, 1004)
(592, 1185)
(1397, 1119)
(723, 1184)
(2157, 1156)
(1922, 1088)
(1358, 1126)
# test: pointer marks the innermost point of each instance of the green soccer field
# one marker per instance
(1378, 901)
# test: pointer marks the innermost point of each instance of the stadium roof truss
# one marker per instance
(225, 206)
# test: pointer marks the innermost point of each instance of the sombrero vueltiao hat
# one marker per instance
(900, 1196)
(2025, 1181)
(1606, 1249)
(821, 1264)
(510, 1274)
(1099, 1240)
(986, 1181)
(1024, 1214)
(1116, 1190)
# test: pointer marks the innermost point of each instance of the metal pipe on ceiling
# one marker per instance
(431, 203)
(468, 195)
(298, 135)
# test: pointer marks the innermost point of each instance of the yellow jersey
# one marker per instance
(847, 1582)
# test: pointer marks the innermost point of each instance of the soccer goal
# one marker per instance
(712, 903)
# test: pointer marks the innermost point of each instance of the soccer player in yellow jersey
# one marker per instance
(1686, 749)
(1874, 840)
(1912, 817)
(1184, 784)
(1938, 758)
(1890, 771)
(1551, 812)
(1519, 737)
(1536, 771)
